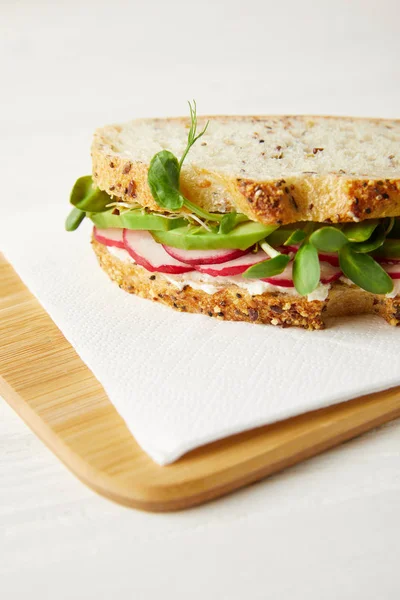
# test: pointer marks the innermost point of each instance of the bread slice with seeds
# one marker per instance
(274, 169)
(233, 303)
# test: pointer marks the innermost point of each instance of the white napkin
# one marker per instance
(182, 380)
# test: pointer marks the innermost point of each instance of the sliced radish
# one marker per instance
(233, 267)
(329, 257)
(393, 270)
(109, 237)
(329, 273)
(204, 257)
(284, 279)
(150, 254)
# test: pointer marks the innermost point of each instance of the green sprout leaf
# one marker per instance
(163, 180)
(228, 222)
(164, 172)
(328, 239)
(287, 235)
(74, 219)
(295, 238)
(164, 176)
(281, 235)
(268, 268)
(87, 198)
(360, 232)
(306, 269)
(364, 271)
(375, 241)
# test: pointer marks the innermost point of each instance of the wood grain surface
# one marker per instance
(48, 385)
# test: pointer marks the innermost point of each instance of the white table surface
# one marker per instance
(328, 528)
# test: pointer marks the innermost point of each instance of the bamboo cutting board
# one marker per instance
(48, 385)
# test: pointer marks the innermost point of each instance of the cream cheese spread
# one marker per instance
(121, 254)
(212, 285)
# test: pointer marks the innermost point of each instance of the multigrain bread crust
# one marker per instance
(233, 303)
(321, 183)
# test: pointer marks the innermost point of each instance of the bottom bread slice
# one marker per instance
(234, 303)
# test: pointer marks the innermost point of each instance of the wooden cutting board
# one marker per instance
(48, 385)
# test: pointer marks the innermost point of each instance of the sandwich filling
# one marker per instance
(217, 249)
(213, 284)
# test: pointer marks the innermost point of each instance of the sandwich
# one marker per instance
(282, 220)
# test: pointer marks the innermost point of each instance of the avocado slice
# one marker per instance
(189, 238)
(135, 219)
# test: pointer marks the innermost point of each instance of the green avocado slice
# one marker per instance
(188, 238)
(135, 219)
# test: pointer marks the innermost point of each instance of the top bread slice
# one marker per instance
(281, 169)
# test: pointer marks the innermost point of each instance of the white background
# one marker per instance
(328, 528)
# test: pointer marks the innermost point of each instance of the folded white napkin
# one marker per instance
(182, 380)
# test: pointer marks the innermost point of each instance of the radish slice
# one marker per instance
(393, 270)
(204, 257)
(109, 237)
(150, 254)
(284, 279)
(233, 267)
(329, 257)
(329, 273)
